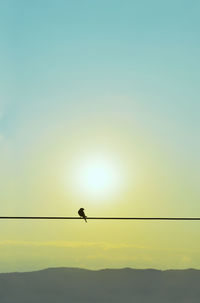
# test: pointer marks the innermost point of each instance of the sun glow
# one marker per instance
(97, 177)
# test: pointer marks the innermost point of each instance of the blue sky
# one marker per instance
(63, 56)
(143, 48)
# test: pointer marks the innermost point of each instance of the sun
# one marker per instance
(97, 177)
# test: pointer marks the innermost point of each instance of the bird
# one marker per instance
(82, 214)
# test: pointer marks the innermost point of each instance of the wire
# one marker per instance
(103, 218)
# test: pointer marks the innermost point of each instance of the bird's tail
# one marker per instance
(85, 219)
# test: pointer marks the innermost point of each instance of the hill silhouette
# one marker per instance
(76, 285)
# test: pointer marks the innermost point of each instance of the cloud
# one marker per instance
(20, 255)
(103, 246)
(71, 244)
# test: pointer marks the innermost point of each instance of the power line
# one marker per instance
(101, 218)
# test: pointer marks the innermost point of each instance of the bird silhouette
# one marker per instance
(82, 214)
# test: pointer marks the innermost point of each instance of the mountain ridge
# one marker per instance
(102, 269)
(72, 284)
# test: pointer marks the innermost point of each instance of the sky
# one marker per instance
(99, 108)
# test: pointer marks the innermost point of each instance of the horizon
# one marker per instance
(102, 269)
